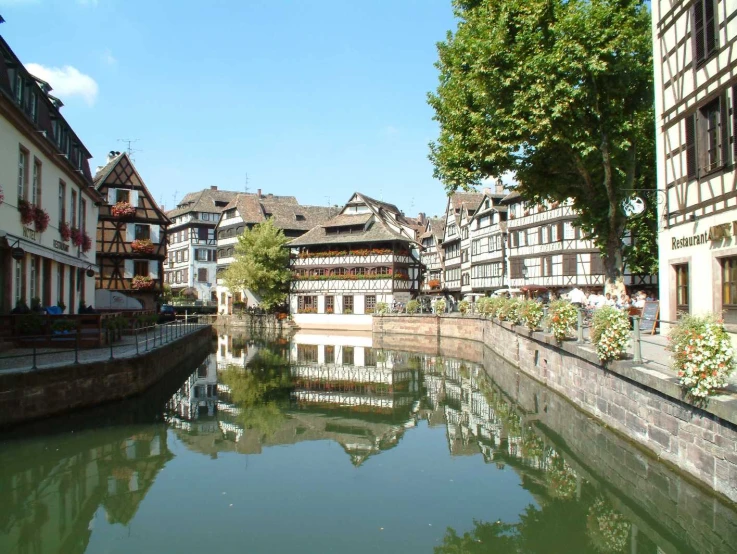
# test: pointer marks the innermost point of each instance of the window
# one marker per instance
(33, 279)
(370, 304)
(569, 264)
(729, 289)
(143, 232)
(19, 86)
(205, 216)
(465, 279)
(22, 173)
(73, 220)
(200, 254)
(465, 232)
(369, 357)
(307, 304)
(202, 233)
(141, 201)
(36, 183)
(707, 138)
(140, 267)
(347, 355)
(62, 202)
(546, 266)
(83, 214)
(122, 195)
(682, 293)
(348, 304)
(329, 304)
(307, 353)
(202, 275)
(704, 31)
(329, 354)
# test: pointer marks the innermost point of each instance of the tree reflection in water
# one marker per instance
(261, 391)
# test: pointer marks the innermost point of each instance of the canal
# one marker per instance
(335, 443)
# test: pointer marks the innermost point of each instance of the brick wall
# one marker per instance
(646, 407)
(45, 392)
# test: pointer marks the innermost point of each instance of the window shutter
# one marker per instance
(155, 234)
(153, 269)
(597, 264)
(111, 196)
(697, 31)
(691, 146)
(560, 232)
(539, 235)
(128, 269)
(134, 198)
(734, 124)
(710, 34)
(569, 264)
(130, 232)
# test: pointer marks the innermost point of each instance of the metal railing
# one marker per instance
(134, 343)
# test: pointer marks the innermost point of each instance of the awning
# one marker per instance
(34, 248)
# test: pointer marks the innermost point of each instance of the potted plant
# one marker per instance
(40, 219)
(122, 210)
(141, 282)
(434, 283)
(65, 231)
(27, 212)
(86, 242)
(143, 246)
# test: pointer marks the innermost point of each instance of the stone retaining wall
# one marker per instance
(39, 393)
(646, 406)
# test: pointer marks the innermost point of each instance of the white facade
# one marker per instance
(32, 168)
(695, 83)
(191, 260)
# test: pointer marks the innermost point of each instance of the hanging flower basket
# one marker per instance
(143, 246)
(65, 231)
(77, 236)
(86, 242)
(40, 219)
(27, 212)
(123, 209)
(140, 282)
(2, 196)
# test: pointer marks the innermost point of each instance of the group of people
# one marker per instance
(593, 300)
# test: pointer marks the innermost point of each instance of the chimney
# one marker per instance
(111, 155)
(499, 186)
(486, 190)
(214, 187)
(259, 193)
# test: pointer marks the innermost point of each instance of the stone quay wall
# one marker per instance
(39, 393)
(648, 407)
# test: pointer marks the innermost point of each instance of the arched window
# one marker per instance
(465, 279)
(240, 230)
(381, 270)
(338, 271)
(358, 271)
(221, 235)
(230, 251)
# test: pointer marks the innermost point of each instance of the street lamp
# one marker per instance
(16, 251)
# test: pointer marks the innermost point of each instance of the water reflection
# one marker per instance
(503, 463)
(51, 491)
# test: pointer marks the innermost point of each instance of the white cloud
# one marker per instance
(108, 58)
(66, 81)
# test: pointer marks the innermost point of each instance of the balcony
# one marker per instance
(541, 217)
(551, 248)
(348, 260)
(344, 285)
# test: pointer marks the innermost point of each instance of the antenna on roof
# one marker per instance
(245, 188)
(328, 200)
(174, 196)
(130, 148)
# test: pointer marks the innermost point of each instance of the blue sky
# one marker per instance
(312, 98)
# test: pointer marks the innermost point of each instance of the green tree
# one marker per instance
(560, 92)
(261, 264)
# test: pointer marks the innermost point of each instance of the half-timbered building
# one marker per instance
(192, 259)
(432, 256)
(342, 269)
(48, 206)
(457, 242)
(695, 90)
(488, 229)
(131, 238)
(247, 210)
(546, 250)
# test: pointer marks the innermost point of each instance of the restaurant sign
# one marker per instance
(714, 234)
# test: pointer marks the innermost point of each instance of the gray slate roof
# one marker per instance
(203, 201)
(284, 211)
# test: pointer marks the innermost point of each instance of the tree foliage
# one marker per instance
(560, 92)
(261, 264)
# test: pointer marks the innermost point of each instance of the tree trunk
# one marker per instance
(614, 265)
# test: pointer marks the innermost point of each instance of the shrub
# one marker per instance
(530, 314)
(703, 356)
(562, 317)
(509, 310)
(413, 306)
(483, 305)
(464, 306)
(439, 307)
(383, 308)
(63, 325)
(30, 324)
(610, 333)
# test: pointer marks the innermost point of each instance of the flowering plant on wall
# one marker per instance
(86, 242)
(40, 219)
(562, 317)
(27, 212)
(703, 356)
(434, 283)
(530, 314)
(439, 307)
(123, 209)
(141, 282)
(77, 236)
(610, 333)
(509, 310)
(65, 231)
(2, 195)
(143, 246)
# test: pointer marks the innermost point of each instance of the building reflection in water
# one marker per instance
(51, 490)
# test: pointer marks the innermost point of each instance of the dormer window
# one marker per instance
(300, 217)
(122, 195)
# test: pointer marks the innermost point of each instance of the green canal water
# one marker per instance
(327, 443)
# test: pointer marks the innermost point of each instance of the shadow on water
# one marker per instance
(581, 487)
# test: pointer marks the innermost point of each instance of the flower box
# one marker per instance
(434, 283)
(122, 210)
(40, 219)
(143, 246)
(65, 231)
(140, 282)
(27, 212)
